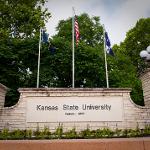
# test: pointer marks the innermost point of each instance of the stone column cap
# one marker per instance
(3, 87)
(110, 90)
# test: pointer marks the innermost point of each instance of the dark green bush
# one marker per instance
(18, 134)
(58, 134)
(85, 133)
(72, 134)
(4, 134)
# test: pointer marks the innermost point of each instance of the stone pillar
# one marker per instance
(3, 90)
(145, 78)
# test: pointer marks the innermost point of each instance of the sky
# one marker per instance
(118, 16)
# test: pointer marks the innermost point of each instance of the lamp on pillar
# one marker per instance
(145, 76)
(145, 54)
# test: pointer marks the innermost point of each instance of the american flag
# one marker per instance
(77, 33)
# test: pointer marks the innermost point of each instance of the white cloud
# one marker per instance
(118, 15)
(126, 17)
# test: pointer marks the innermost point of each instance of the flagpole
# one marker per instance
(73, 58)
(38, 71)
(106, 70)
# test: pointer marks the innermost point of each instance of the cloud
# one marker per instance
(118, 15)
(61, 9)
(126, 16)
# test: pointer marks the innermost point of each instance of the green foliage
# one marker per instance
(85, 133)
(123, 74)
(20, 23)
(137, 39)
(89, 61)
(18, 134)
(118, 132)
(43, 134)
(99, 133)
(72, 134)
(103, 133)
(5, 134)
(128, 62)
(46, 133)
(147, 130)
(107, 132)
(29, 134)
(23, 17)
(91, 31)
(59, 132)
(13, 95)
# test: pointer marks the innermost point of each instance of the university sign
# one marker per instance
(74, 109)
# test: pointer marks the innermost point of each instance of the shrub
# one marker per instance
(72, 134)
(29, 134)
(147, 130)
(85, 133)
(59, 132)
(4, 134)
(18, 134)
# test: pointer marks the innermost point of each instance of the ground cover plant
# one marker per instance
(59, 133)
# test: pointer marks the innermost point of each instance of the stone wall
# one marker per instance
(133, 115)
(145, 78)
(3, 91)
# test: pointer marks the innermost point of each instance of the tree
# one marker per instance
(137, 39)
(22, 19)
(89, 62)
(123, 74)
(20, 23)
(91, 31)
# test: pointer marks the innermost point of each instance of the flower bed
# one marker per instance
(5, 134)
